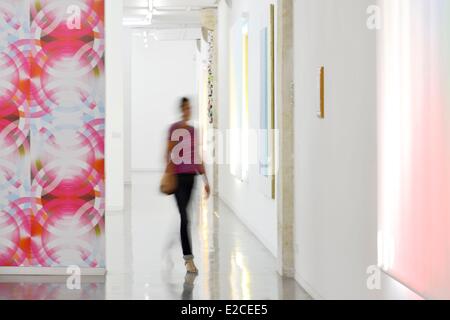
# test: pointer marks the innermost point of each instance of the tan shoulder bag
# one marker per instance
(168, 183)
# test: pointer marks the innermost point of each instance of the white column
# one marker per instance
(285, 116)
(114, 164)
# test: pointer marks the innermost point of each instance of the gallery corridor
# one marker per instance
(319, 128)
(233, 264)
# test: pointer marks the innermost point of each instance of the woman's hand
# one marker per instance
(207, 187)
(207, 190)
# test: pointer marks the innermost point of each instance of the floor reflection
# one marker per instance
(145, 262)
(188, 286)
(50, 288)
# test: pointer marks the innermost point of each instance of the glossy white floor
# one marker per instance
(144, 257)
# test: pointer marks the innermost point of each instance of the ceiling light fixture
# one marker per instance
(150, 11)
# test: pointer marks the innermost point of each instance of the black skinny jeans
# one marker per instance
(183, 197)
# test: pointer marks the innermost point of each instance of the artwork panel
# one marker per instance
(264, 110)
(414, 153)
(57, 218)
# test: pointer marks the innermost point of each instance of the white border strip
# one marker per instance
(391, 290)
(307, 287)
(25, 271)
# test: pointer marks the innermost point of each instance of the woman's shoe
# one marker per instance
(190, 266)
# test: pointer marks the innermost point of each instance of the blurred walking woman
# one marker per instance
(183, 165)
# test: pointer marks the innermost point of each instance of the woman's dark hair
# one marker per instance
(183, 101)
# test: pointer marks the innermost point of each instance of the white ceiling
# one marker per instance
(165, 14)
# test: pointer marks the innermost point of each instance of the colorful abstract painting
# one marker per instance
(52, 107)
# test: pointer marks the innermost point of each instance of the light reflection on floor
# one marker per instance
(144, 257)
(50, 288)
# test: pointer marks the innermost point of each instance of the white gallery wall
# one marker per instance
(248, 199)
(161, 74)
(336, 158)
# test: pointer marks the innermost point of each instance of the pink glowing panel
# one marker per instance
(414, 144)
(52, 133)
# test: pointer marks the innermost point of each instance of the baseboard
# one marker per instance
(34, 271)
(307, 287)
(392, 290)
